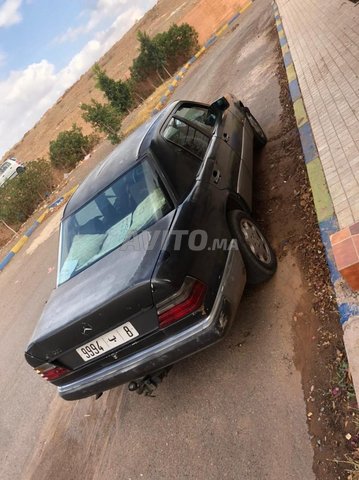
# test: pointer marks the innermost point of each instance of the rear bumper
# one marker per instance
(197, 337)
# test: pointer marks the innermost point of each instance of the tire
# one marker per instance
(20, 170)
(258, 256)
(260, 138)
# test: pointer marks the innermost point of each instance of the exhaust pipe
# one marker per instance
(147, 385)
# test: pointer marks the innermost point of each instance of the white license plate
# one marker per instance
(109, 341)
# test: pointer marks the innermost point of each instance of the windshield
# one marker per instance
(4, 167)
(128, 206)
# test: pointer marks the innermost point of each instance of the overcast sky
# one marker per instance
(45, 46)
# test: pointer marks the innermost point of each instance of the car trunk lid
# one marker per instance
(110, 294)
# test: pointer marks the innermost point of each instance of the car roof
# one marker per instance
(118, 162)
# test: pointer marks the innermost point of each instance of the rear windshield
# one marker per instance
(131, 204)
(4, 167)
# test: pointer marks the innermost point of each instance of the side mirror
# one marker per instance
(219, 105)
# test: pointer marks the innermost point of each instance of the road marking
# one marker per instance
(51, 227)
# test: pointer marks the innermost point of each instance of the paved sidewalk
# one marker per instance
(323, 37)
(320, 47)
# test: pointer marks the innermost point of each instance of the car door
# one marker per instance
(215, 135)
(244, 185)
(235, 131)
(184, 145)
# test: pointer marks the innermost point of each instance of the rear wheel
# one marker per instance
(260, 138)
(258, 256)
(20, 169)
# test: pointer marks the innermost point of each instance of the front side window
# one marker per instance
(4, 167)
(128, 206)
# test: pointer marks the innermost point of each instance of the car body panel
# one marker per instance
(182, 344)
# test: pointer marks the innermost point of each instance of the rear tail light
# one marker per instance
(51, 372)
(189, 299)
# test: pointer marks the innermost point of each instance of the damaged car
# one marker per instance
(156, 247)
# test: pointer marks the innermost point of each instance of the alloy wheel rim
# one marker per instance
(255, 241)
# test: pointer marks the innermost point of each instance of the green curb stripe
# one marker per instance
(322, 199)
(300, 112)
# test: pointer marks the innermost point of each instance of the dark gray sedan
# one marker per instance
(156, 247)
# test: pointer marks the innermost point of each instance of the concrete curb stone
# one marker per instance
(348, 305)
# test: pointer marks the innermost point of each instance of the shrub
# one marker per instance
(104, 118)
(117, 92)
(20, 196)
(69, 148)
(160, 56)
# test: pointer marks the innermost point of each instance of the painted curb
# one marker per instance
(328, 223)
(23, 240)
(211, 41)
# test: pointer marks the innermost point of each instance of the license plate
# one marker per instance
(109, 341)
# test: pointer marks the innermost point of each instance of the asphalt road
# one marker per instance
(234, 411)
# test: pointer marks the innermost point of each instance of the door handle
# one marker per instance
(216, 176)
(226, 137)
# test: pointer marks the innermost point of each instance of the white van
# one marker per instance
(9, 169)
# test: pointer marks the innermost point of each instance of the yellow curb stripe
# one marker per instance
(70, 192)
(291, 73)
(244, 8)
(285, 49)
(300, 113)
(19, 244)
(221, 30)
(43, 216)
(281, 34)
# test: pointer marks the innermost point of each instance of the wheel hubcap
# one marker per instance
(255, 241)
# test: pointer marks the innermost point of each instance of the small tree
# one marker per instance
(160, 55)
(117, 92)
(178, 42)
(152, 57)
(69, 148)
(104, 118)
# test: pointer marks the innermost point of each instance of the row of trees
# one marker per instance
(159, 57)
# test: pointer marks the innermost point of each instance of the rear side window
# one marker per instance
(186, 136)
